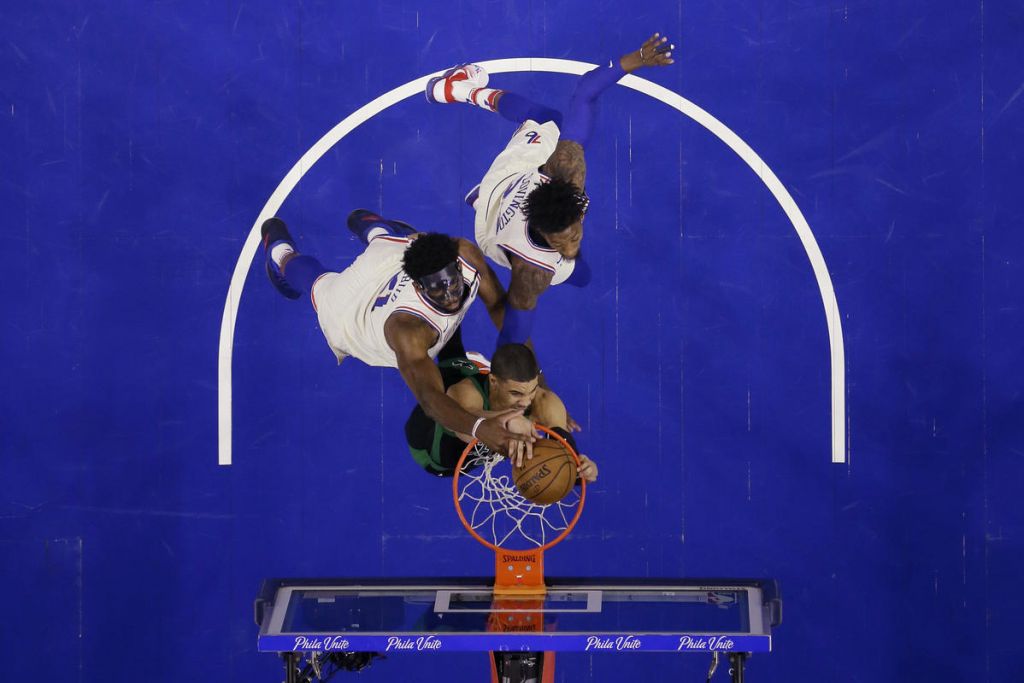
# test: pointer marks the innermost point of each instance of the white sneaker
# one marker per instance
(456, 84)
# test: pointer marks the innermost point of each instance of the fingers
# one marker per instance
(587, 469)
(657, 51)
(653, 40)
(518, 437)
(515, 452)
(507, 416)
(587, 472)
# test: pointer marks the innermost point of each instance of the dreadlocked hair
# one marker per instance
(429, 253)
(553, 206)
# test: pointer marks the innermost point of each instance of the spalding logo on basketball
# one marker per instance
(549, 476)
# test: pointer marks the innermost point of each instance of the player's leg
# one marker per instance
(421, 436)
(366, 225)
(518, 109)
(466, 83)
(281, 255)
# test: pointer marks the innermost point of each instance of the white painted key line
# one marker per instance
(564, 66)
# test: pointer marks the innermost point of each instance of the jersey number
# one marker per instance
(385, 294)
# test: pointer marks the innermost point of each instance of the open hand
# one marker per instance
(656, 51)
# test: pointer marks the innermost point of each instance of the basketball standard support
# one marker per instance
(519, 591)
(519, 573)
(737, 660)
(291, 666)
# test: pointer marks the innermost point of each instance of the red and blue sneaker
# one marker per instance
(456, 84)
(362, 221)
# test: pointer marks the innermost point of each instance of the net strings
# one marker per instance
(494, 507)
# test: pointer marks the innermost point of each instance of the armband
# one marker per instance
(476, 425)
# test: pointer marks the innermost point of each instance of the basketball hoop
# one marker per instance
(499, 517)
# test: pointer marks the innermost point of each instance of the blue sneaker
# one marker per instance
(275, 232)
(361, 221)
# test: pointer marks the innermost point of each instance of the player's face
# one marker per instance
(567, 242)
(444, 288)
(507, 394)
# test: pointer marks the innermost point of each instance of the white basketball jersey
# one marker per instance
(353, 305)
(501, 226)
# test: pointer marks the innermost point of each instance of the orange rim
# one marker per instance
(558, 539)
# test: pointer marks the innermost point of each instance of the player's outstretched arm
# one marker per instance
(410, 338)
(567, 160)
(491, 292)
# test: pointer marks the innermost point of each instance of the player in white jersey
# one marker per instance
(353, 306)
(396, 306)
(531, 202)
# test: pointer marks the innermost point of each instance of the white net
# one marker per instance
(494, 508)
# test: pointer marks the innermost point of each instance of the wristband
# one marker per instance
(476, 424)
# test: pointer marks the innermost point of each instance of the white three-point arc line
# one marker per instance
(564, 66)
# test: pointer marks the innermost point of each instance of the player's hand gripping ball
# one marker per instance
(549, 476)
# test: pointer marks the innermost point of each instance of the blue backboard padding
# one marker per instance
(141, 140)
(700, 643)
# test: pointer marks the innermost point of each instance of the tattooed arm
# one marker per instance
(567, 163)
(528, 283)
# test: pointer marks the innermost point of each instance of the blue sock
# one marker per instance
(517, 109)
(303, 271)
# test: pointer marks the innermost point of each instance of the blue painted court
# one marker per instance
(799, 357)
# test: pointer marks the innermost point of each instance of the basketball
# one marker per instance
(549, 475)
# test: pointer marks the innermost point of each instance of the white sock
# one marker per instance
(375, 232)
(278, 253)
(483, 97)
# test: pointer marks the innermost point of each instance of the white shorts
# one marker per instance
(344, 304)
(337, 289)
